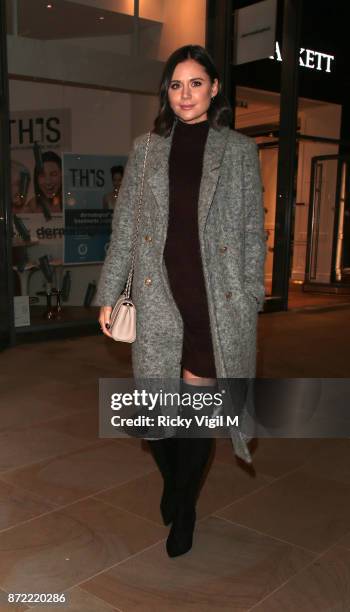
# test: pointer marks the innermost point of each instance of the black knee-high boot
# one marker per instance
(164, 453)
(192, 457)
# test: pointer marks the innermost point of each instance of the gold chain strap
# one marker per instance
(136, 232)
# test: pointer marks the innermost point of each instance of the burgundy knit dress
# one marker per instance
(182, 251)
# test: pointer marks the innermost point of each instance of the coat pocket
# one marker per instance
(252, 299)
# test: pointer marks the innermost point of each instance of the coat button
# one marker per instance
(228, 295)
(223, 249)
(148, 238)
(148, 281)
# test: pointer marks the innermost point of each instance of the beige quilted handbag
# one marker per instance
(123, 316)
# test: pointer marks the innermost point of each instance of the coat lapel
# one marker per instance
(213, 154)
(158, 173)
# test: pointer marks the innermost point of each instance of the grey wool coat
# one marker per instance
(232, 242)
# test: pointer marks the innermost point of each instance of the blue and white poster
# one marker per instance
(91, 184)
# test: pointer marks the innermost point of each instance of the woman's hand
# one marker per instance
(105, 313)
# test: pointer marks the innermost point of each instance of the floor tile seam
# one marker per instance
(107, 503)
(338, 545)
(24, 466)
(52, 394)
(74, 440)
(36, 497)
(97, 363)
(238, 499)
(338, 542)
(296, 309)
(59, 508)
(319, 308)
(246, 495)
(151, 470)
(66, 592)
(300, 571)
(288, 473)
(32, 518)
(22, 607)
(267, 485)
(124, 440)
(51, 457)
(303, 467)
(263, 474)
(45, 422)
(114, 565)
(268, 535)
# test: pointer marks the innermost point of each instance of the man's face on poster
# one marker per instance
(116, 180)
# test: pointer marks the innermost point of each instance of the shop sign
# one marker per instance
(255, 31)
(308, 58)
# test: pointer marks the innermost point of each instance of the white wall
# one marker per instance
(143, 112)
(118, 6)
(73, 62)
(110, 61)
(183, 24)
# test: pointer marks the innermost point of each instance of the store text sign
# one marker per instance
(309, 59)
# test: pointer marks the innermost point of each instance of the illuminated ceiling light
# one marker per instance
(101, 18)
(49, 6)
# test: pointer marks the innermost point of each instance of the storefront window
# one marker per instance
(257, 115)
(312, 223)
(316, 191)
(317, 258)
(83, 81)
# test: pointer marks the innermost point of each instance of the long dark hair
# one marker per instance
(219, 111)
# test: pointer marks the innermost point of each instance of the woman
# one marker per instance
(199, 278)
(47, 185)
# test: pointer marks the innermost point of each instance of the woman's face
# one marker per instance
(190, 91)
(50, 180)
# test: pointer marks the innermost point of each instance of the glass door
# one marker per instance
(327, 258)
(6, 290)
(6, 300)
(342, 250)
